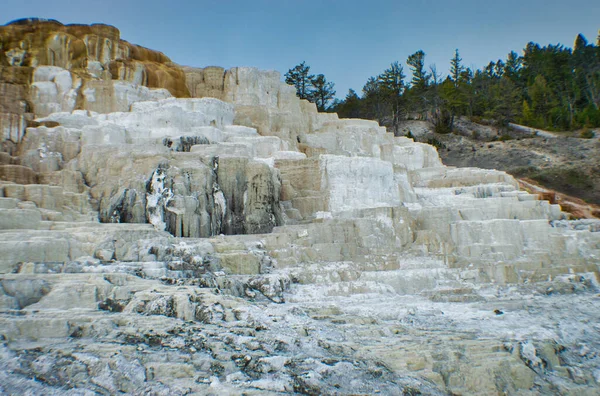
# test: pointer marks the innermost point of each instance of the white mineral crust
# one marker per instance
(160, 245)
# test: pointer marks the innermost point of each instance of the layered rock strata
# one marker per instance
(243, 243)
(48, 67)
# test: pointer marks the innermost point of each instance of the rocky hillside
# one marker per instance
(560, 161)
(240, 242)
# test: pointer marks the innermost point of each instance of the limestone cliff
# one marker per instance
(92, 52)
(47, 67)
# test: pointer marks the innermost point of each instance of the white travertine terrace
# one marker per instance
(143, 204)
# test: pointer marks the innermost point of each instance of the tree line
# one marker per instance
(551, 87)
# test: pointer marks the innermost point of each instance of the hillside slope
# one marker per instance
(565, 163)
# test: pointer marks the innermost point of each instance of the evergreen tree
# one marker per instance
(512, 68)
(420, 79)
(350, 107)
(314, 89)
(541, 101)
(392, 79)
(322, 92)
(481, 96)
(506, 101)
(300, 77)
(490, 70)
(586, 63)
(391, 83)
(456, 89)
(499, 69)
(374, 100)
(547, 87)
(580, 43)
(527, 117)
(417, 93)
(456, 68)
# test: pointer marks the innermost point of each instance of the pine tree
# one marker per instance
(527, 116)
(322, 92)
(391, 83)
(417, 93)
(580, 43)
(300, 77)
(490, 70)
(374, 100)
(456, 68)
(392, 79)
(512, 68)
(547, 87)
(506, 96)
(420, 79)
(541, 101)
(350, 107)
(499, 69)
(586, 64)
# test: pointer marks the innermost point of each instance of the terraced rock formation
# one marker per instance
(243, 243)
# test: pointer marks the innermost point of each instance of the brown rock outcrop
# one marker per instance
(92, 52)
(14, 102)
(578, 208)
(18, 174)
(205, 82)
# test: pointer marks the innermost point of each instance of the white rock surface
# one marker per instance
(13, 127)
(358, 183)
(159, 245)
(55, 90)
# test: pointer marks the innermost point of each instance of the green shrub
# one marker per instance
(560, 119)
(436, 143)
(589, 117)
(442, 128)
(477, 119)
(443, 121)
(587, 134)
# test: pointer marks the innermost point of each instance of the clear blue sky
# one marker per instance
(347, 40)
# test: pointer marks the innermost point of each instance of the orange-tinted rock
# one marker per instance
(16, 74)
(84, 49)
(205, 82)
(18, 174)
(14, 104)
(578, 208)
(13, 98)
(6, 159)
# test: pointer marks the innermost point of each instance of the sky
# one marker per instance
(346, 40)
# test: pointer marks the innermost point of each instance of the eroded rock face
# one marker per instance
(229, 196)
(47, 67)
(261, 101)
(15, 106)
(148, 178)
(241, 242)
(94, 52)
